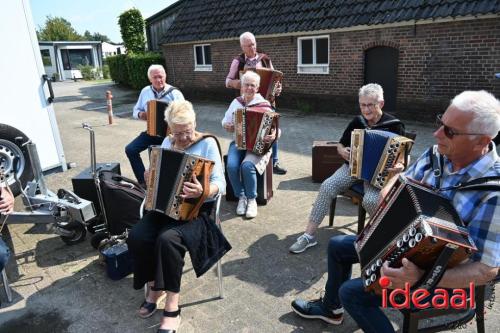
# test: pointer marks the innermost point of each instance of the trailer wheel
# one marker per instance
(78, 230)
(9, 150)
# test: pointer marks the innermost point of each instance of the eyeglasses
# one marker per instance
(450, 133)
(369, 105)
(183, 134)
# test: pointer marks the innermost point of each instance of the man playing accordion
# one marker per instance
(465, 147)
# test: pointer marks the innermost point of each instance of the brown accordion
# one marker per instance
(269, 78)
(251, 125)
(413, 222)
(169, 169)
(374, 151)
(157, 126)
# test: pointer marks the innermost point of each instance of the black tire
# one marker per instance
(8, 150)
(96, 239)
(78, 230)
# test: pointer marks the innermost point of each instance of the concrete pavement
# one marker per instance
(60, 288)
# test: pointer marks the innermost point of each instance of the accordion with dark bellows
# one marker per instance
(269, 79)
(375, 151)
(169, 169)
(156, 124)
(251, 125)
(412, 222)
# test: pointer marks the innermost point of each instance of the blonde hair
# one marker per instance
(180, 113)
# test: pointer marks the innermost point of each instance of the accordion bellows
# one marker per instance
(251, 125)
(269, 78)
(375, 151)
(156, 124)
(413, 222)
(169, 169)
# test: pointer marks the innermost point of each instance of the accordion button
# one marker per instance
(412, 243)
(406, 237)
(379, 262)
(412, 231)
(418, 237)
(368, 272)
(367, 282)
(373, 277)
(399, 243)
(373, 267)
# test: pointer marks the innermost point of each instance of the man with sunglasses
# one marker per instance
(464, 145)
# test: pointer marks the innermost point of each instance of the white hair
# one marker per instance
(373, 90)
(485, 109)
(155, 67)
(247, 35)
(250, 75)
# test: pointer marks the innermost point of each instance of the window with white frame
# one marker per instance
(313, 55)
(202, 58)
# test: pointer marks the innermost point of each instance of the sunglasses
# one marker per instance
(450, 133)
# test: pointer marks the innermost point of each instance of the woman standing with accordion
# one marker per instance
(371, 101)
(158, 243)
(242, 166)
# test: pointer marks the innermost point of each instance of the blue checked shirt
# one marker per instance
(480, 210)
(148, 93)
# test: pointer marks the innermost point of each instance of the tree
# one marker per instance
(96, 36)
(57, 29)
(132, 30)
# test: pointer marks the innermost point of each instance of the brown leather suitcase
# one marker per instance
(325, 160)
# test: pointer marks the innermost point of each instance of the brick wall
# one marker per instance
(436, 61)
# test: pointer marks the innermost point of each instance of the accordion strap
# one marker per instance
(204, 194)
(432, 277)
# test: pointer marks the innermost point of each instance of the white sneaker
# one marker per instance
(242, 206)
(251, 208)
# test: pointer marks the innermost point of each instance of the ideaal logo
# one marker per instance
(422, 299)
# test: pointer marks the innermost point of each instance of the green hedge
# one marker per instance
(118, 68)
(132, 69)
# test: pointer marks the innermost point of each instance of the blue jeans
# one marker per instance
(4, 254)
(275, 152)
(340, 290)
(134, 149)
(243, 176)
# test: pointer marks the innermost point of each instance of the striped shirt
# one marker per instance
(479, 210)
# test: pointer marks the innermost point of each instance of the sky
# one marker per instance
(94, 15)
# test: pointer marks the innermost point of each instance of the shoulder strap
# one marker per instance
(241, 100)
(488, 183)
(363, 121)
(264, 58)
(165, 93)
(387, 123)
(241, 62)
(437, 163)
(201, 136)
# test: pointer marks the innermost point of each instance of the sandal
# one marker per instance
(151, 307)
(171, 314)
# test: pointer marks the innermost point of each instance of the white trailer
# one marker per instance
(26, 96)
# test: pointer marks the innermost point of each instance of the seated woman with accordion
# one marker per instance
(243, 165)
(158, 243)
(371, 101)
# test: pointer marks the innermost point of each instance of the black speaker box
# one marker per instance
(84, 185)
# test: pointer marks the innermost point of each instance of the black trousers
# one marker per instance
(157, 249)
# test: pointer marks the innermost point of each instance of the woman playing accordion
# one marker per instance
(371, 101)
